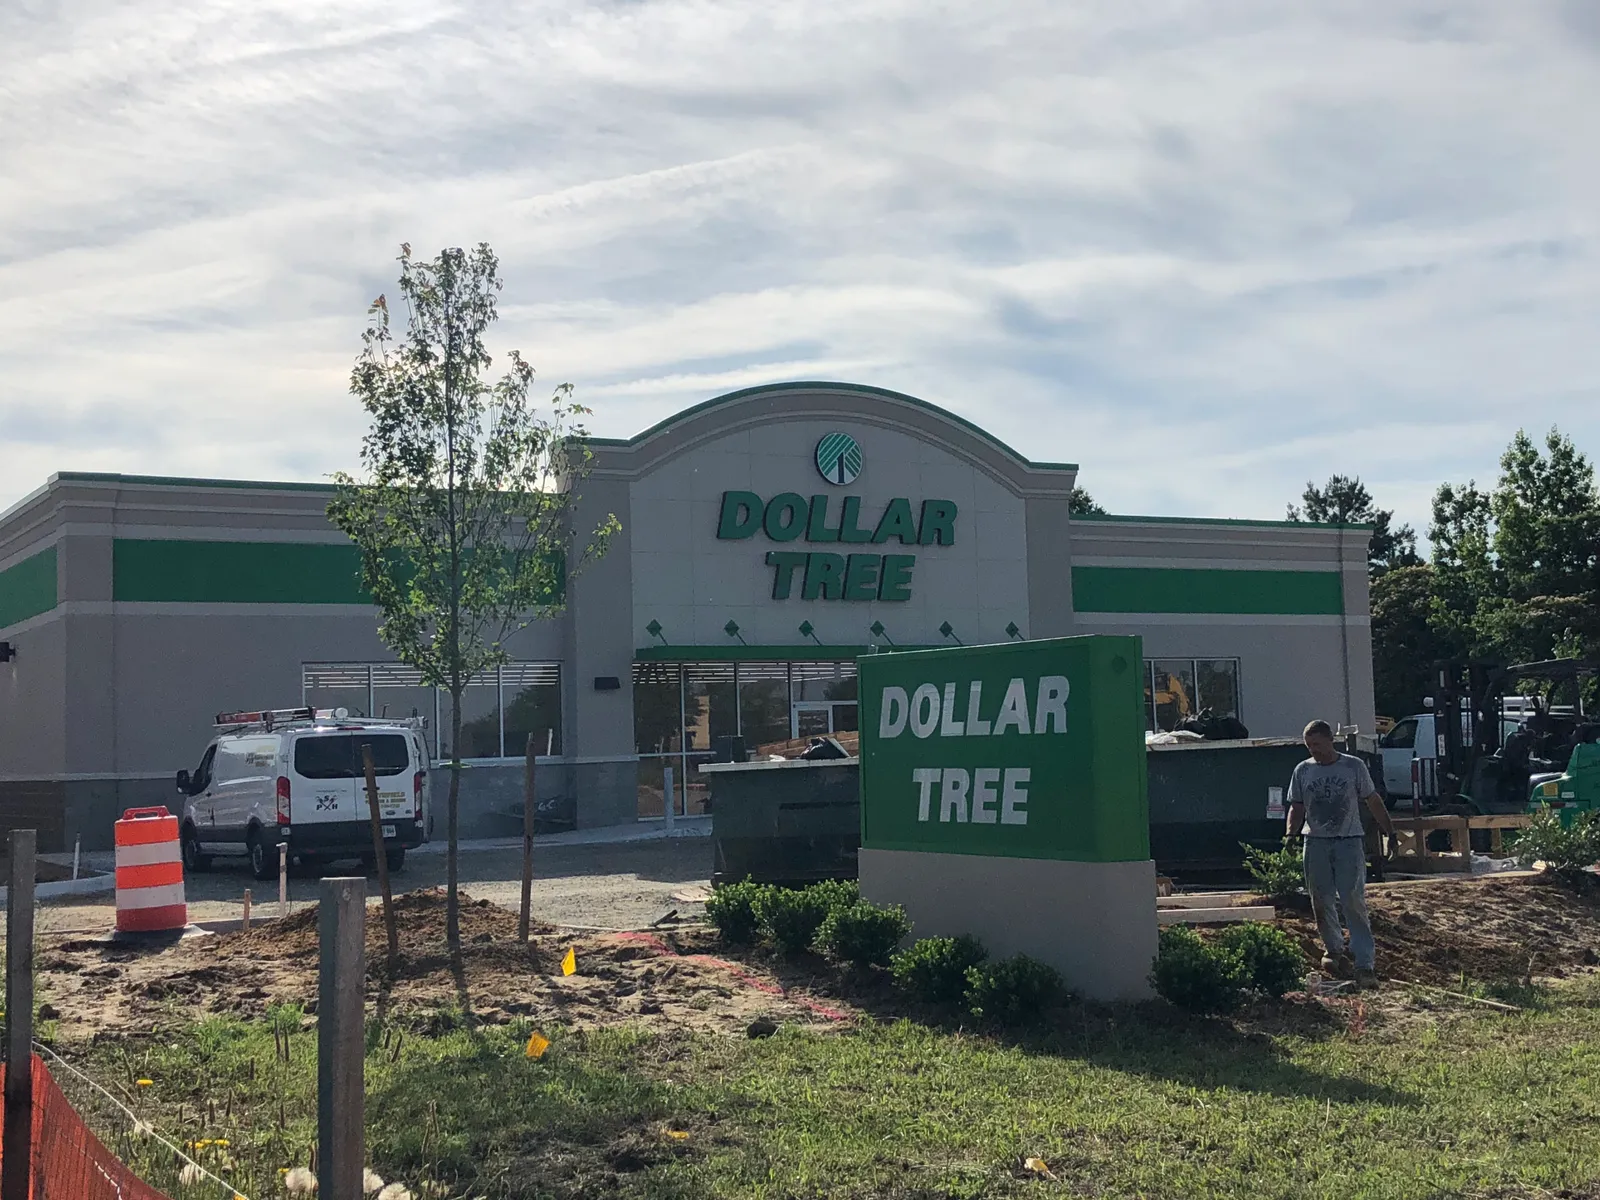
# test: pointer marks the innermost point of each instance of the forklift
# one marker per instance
(1499, 754)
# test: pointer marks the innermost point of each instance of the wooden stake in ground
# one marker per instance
(379, 855)
(341, 1039)
(16, 1152)
(527, 843)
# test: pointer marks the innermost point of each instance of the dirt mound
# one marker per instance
(1488, 929)
(420, 916)
(668, 978)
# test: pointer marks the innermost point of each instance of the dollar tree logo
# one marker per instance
(838, 458)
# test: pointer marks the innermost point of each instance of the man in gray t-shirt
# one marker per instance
(1326, 793)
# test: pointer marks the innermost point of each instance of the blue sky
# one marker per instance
(1207, 250)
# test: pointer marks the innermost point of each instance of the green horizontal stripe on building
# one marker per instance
(236, 572)
(177, 571)
(28, 588)
(1190, 590)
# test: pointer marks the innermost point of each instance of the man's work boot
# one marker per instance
(1340, 966)
(1366, 978)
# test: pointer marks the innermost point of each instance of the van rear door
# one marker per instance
(329, 783)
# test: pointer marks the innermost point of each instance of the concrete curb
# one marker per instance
(90, 886)
(1214, 916)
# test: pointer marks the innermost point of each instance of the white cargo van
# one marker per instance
(296, 777)
(1417, 738)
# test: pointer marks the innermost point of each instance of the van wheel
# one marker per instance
(396, 859)
(193, 861)
(263, 863)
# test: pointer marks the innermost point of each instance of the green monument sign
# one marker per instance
(1022, 750)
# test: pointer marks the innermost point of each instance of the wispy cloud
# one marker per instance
(1208, 250)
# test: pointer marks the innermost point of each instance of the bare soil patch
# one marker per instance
(1488, 929)
(660, 977)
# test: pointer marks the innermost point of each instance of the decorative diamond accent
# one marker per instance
(947, 629)
(731, 628)
(807, 629)
(877, 628)
(1012, 630)
(654, 628)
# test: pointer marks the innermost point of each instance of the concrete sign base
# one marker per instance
(1092, 921)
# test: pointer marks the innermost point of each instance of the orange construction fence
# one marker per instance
(69, 1162)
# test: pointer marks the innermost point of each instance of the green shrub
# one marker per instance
(1193, 975)
(790, 918)
(734, 907)
(1272, 960)
(1278, 874)
(1567, 851)
(934, 970)
(1012, 991)
(864, 934)
(837, 893)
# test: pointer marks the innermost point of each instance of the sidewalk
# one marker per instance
(640, 831)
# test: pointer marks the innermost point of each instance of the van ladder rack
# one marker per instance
(277, 718)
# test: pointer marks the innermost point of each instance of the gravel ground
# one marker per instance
(619, 885)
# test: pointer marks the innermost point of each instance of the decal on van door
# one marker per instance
(328, 802)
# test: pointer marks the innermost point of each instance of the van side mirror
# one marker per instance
(183, 782)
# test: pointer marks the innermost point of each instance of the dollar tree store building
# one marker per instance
(769, 538)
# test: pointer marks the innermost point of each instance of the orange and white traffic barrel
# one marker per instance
(149, 872)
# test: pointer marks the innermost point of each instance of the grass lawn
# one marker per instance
(1394, 1099)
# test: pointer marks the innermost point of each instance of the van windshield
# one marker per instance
(338, 755)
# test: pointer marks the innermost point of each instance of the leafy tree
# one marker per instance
(1463, 564)
(1081, 504)
(1345, 500)
(1517, 569)
(1406, 641)
(465, 513)
(1547, 519)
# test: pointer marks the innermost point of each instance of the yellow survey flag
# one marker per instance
(569, 964)
(537, 1044)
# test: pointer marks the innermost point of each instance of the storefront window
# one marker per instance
(499, 711)
(824, 699)
(824, 681)
(710, 710)
(480, 720)
(398, 691)
(763, 704)
(1179, 688)
(653, 782)
(530, 697)
(337, 685)
(1218, 680)
(657, 709)
(679, 713)
(1174, 691)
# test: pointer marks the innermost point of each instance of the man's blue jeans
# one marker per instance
(1336, 877)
